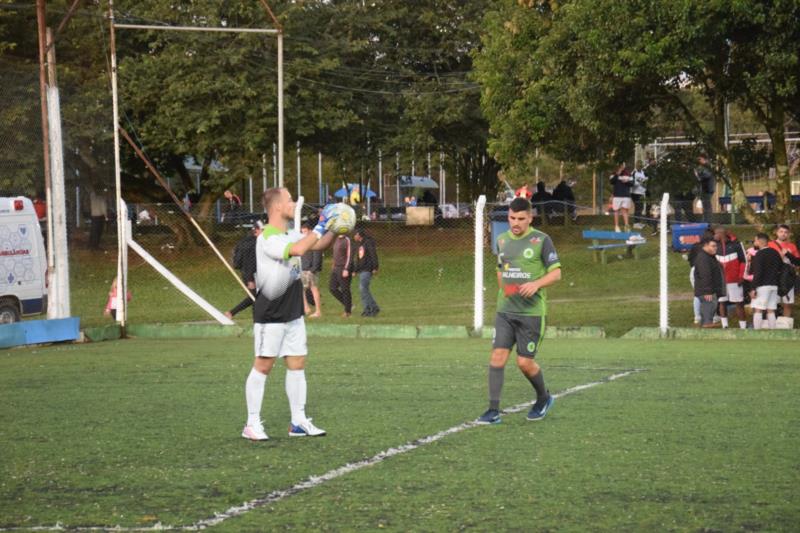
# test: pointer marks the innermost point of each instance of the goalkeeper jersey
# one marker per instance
(521, 260)
(280, 291)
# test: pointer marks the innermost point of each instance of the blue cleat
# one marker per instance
(538, 411)
(491, 416)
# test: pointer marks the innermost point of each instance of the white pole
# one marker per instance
(274, 165)
(263, 172)
(250, 183)
(663, 301)
(380, 176)
(441, 178)
(77, 206)
(126, 237)
(298, 170)
(280, 109)
(60, 281)
(298, 211)
(319, 177)
(477, 323)
(429, 164)
(122, 283)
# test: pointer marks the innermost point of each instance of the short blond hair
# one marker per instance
(271, 196)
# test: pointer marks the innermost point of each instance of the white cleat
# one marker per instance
(306, 429)
(254, 432)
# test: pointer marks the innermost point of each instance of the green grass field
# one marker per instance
(140, 432)
(426, 278)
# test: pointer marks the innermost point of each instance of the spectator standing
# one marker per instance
(244, 260)
(233, 205)
(709, 282)
(566, 198)
(692, 256)
(541, 201)
(765, 267)
(706, 185)
(524, 192)
(311, 266)
(790, 255)
(621, 202)
(638, 192)
(731, 256)
(340, 273)
(99, 214)
(366, 265)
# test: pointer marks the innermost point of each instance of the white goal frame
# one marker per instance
(122, 243)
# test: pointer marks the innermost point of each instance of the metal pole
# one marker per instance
(429, 164)
(263, 172)
(274, 165)
(319, 177)
(122, 286)
(380, 177)
(441, 178)
(77, 206)
(41, 21)
(299, 180)
(250, 183)
(280, 109)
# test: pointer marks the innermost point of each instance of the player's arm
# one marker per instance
(318, 239)
(532, 287)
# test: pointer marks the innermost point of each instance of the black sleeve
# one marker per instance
(757, 269)
(373, 251)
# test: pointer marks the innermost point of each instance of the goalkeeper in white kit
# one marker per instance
(279, 329)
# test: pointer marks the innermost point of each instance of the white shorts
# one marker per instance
(766, 298)
(280, 339)
(733, 293)
(621, 203)
(789, 298)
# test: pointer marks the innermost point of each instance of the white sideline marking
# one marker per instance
(314, 481)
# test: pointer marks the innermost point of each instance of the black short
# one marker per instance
(527, 332)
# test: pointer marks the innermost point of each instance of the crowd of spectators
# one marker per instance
(727, 277)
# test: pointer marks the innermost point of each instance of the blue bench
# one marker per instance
(621, 238)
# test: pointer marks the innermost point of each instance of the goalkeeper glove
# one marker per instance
(325, 219)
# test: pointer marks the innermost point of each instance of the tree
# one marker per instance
(613, 68)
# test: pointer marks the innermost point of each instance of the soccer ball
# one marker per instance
(343, 220)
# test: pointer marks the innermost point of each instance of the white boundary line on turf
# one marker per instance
(314, 481)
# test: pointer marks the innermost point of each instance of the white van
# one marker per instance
(23, 262)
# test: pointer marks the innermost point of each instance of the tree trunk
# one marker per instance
(783, 193)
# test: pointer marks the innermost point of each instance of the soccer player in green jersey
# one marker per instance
(527, 262)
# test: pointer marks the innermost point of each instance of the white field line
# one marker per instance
(315, 481)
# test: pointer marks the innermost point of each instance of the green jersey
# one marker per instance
(521, 260)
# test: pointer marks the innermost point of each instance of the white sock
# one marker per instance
(743, 324)
(296, 392)
(254, 394)
(771, 320)
(758, 319)
(724, 321)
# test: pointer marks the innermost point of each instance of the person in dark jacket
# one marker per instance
(311, 266)
(366, 265)
(566, 198)
(692, 256)
(709, 282)
(621, 201)
(706, 184)
(765, 267)
(541, 201)
(244, 260)
(341, 271)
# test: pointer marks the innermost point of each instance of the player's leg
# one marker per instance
(529, 335)
(502, 342)
(305, 276)
(788, 304)
(772, 306)
(293, 350)
(347, 295)
(265, 351)
(615, 208)
(625, 210)
(736, 297)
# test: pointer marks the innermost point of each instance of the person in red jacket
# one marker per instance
(786, 248)
(732, 259)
